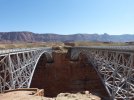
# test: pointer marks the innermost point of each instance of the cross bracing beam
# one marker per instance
(17, 66)
(114, 65)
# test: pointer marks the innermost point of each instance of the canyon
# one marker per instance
(63, 75)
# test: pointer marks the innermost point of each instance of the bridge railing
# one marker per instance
(4, 51)
(115, 48)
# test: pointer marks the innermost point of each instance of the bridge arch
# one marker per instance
(84, 55)
(17, 66)
(115, 67)
(47, 59)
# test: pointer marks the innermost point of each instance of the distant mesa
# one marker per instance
(49, 37)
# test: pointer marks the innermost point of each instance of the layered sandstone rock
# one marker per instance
(76, 96)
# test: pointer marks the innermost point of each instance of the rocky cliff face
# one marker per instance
(34, 37)
(64, 75)
(17, 36)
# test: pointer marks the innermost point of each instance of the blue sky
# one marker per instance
(68, 16)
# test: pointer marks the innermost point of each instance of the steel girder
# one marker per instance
(17, 66)
(114, 65)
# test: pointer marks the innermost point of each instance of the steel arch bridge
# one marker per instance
(17, 66)
(114, 65)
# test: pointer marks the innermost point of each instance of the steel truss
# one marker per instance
(114, 65)
(17, 66)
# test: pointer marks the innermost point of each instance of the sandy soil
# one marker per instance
(28, 95)
(22, 95)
